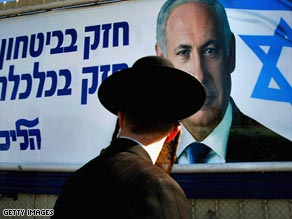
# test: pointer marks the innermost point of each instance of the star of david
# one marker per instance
(282, 38)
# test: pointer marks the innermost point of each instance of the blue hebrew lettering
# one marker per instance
(125, 27)
(3, 81)
(85, 84)
(72, 47)
(28, 135)
(13, 135)
(41, 76)
(96, 38)
(22, 133)
(6, 145)
(24, 41)
(60, 37)
(15, 79)
(66, 90)
(36, 133)
(9, 50)
(52, 90)
(105, 69)
(90, 88)
(48, 38)
(35, 52)
(2, 53)
(106, 28)
(28, 79)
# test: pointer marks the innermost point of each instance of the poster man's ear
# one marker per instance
(158, 50)
(232, 54)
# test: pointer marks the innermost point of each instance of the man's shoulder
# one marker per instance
(248, 126)
(249, 140)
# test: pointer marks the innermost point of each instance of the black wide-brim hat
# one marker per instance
(152, 88)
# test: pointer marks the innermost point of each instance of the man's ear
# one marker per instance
(158, 50)
(173, 133)
(120, 119)
(232, 54)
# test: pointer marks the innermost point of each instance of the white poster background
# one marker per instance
(72, 133)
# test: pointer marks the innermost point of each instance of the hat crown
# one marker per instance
(152, 88)
(152, 62)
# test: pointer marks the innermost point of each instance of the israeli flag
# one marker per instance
(263, 75)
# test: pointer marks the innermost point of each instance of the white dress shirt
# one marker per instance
(152, 149)
(216, 140)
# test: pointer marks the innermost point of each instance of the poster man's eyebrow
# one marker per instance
(184, 46)
(189, 47)
(211, 42)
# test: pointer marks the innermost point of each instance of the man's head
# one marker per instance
(195, 36)
(169, 5)
(151, 93)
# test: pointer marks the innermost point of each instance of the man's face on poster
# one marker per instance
(195, 44)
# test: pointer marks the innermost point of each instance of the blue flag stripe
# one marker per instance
(285, 5)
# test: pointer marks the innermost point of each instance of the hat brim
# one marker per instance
(160, 92)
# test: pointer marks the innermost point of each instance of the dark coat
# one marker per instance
(250, 141)
(121, 183)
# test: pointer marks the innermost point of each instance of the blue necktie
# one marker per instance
(197, 152)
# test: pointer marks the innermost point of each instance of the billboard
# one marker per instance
(51, 65)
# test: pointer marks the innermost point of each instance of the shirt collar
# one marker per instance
(217, 140)
(152, 149)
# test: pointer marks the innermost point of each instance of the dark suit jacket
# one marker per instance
(250, 141)
(121, 183)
